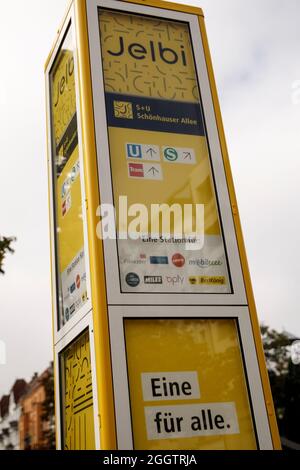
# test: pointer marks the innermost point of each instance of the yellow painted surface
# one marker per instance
(181, 184)
(209, 347)
(78, 412)
(241, 246)
(103, 377)
(70, 227)
(67, 184)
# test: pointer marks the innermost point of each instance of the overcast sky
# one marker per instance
(255, 49)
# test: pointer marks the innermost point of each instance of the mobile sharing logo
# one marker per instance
(164, 222)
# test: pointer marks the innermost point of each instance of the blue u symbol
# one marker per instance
(134, 151)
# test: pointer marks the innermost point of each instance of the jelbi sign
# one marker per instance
(156, 337)
(159, 151)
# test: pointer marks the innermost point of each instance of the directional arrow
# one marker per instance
(154, 170)
(187, 155)
(151, 151)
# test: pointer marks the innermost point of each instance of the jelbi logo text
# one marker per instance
(62, 83)
(150, 51)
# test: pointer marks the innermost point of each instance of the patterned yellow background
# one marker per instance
(69, 227)
(127, 75)
(78, 396)
(64, 108)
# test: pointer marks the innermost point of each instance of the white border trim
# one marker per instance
(241, 314)
(115, 297)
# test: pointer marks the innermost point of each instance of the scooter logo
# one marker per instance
(132, 279)
(178, 260)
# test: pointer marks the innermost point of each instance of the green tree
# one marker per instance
(284, 380)
(5, 247)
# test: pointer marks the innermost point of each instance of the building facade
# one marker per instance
(10, 411)
(33, 425)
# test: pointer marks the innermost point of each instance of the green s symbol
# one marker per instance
(170, 154)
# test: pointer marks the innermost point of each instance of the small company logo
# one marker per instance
(73, 288)
(67, 184)
(159, 260)
(72, 309)
(136, 170)
(64, 208)
(132, 279)
(204, 262)
(153, 280)
(171, 154)
(75, 171)
(78, 281)
(142, 259)
(198, 280)
(123, 109)
(174, 280)
(67, 314)
(134, 151)
(66, 205)
(65, 188)
(178, 260)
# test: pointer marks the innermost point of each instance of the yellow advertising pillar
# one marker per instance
(155, 332)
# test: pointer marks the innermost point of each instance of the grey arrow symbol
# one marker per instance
(154, 170)
(187, 155)
(151, 151)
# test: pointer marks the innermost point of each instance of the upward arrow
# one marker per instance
(154, 170)
(187, 155)
(151, 151)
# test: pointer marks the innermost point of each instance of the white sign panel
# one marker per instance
(170, 386)
(179, 421)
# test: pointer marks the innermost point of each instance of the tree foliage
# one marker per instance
(285, 381)
(5, 247)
